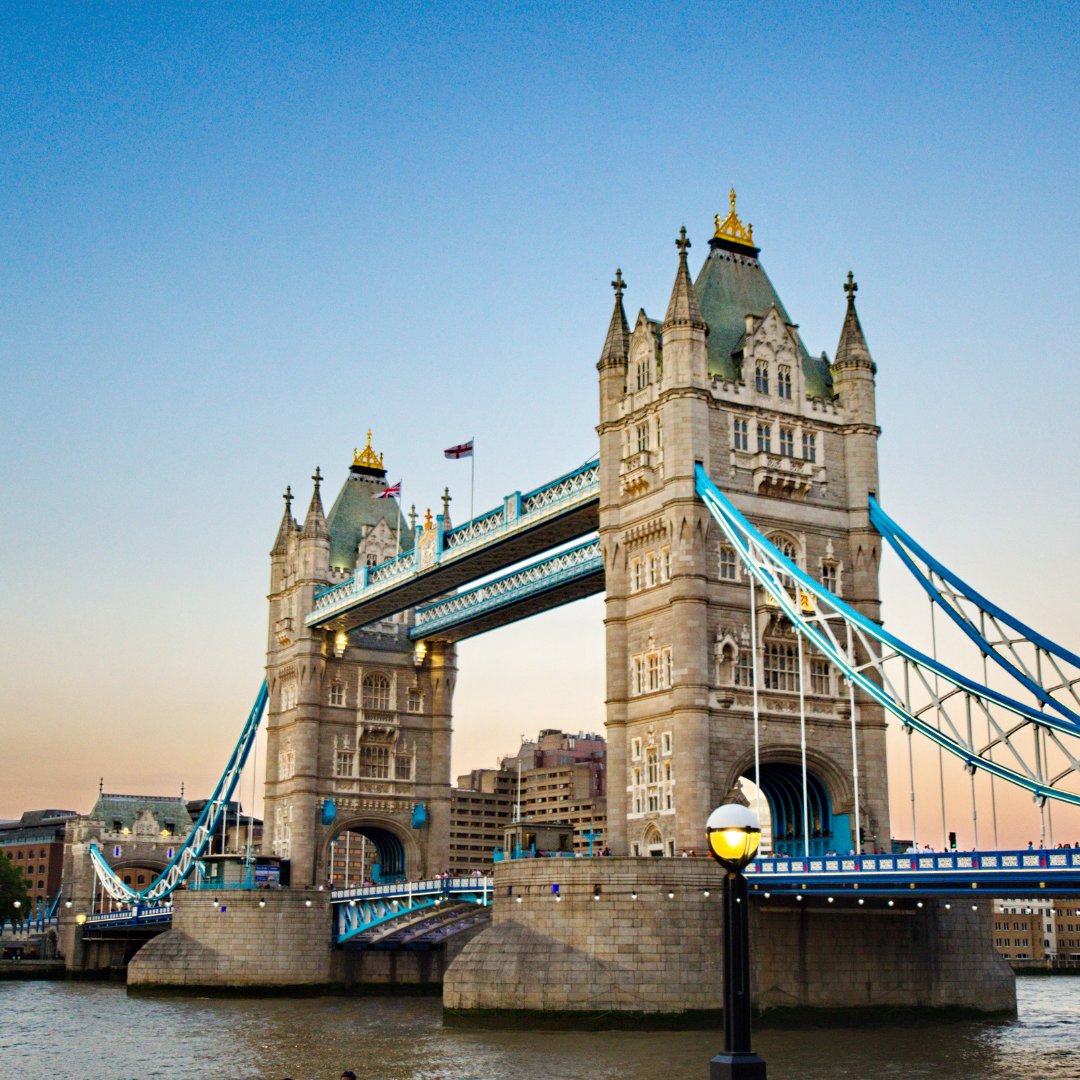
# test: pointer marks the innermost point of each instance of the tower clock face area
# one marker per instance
(790, 437)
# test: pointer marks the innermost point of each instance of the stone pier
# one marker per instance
(635, 938)
(227, 942)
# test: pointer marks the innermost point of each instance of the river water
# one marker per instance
(94, 1031)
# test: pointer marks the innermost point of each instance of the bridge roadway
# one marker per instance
(416, 914)
(525, 525)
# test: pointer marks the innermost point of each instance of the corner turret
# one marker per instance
(684, 332)
(615, 354)
(853, 370)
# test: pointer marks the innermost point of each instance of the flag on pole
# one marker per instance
(392, 492)
(464, 449)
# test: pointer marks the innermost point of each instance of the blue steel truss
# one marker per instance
(1031, 659)
(1055, 871)
(365, 915)
(154, 915)
(925, 695)
(519, 515)
(543, 576)
(194, 845)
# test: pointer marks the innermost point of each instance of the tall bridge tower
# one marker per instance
(725, 380)
(358, 762)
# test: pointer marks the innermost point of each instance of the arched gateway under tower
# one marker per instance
(692, 672)
(358, 721)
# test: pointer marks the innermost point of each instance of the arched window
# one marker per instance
(783, 382)
(788, 548)
(761, 377)
(376, 692)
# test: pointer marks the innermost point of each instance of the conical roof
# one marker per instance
(287, 527)
(683, 308)
(852, 346)
(315, 520)
(616, 348)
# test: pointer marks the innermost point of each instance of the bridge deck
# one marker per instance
(524, 526)
(540, 586)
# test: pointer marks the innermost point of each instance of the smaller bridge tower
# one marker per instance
(358, 720)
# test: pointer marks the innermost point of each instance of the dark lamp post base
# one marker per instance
(737, 1067)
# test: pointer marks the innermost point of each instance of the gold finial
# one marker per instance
(367, 458)
(731, 228)
(428, 522)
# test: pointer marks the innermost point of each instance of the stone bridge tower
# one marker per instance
(358, 761)
(725, 380)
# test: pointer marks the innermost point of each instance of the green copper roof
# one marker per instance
(355, 510)
(730, 286)
(126, 809)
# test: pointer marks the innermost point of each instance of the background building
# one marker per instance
(35, 844)
(555, 778)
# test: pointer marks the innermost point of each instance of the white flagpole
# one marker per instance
(398, 504)
(472, 475)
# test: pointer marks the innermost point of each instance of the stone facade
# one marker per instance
(358, 721)
(726, 381)
(642, 936)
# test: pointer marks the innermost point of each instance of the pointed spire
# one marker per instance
(852, 347)
(446, 500)
(315, 522)
(616, 350)
(287, 527)
(683, 307)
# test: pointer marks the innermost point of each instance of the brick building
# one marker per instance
(35, 844)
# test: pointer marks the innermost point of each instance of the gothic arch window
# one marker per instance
(783, 382)
(809, 446)
(644, 373)
(337, 694)
(725, 663)
(789, 548)
(787, 442)
(741, 435)
(764, 438)
(376, 692)
(761, 377)
(728, 561)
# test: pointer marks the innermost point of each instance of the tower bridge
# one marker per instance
(732, 522)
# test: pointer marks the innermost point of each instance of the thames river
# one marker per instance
(93, 1031)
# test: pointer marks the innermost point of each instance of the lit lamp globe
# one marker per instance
(81, 918)
(733, 832)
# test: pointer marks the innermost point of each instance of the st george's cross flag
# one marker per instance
(464, 449)
(392, 492)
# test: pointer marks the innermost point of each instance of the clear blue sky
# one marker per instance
(233, 238)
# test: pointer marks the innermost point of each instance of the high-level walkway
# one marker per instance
(524, 526)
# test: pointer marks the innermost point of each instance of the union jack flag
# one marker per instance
(392, 492)
(461, 450)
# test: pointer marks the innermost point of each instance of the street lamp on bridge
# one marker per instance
(733, 833)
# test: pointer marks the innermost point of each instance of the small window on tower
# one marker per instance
(764, 438)
(414, 700)
(761, 378)
(829, 576)
(787, 442)
(642, 437)
(741, 434)
(809, 446)
(783, 382)
(337, 694)
(727, 563)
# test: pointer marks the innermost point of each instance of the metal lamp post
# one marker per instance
(733, 833)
